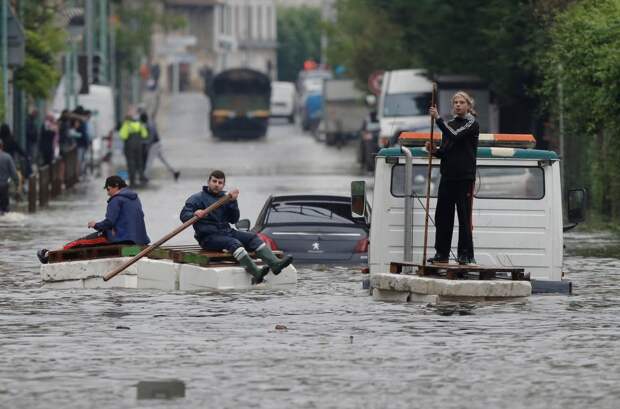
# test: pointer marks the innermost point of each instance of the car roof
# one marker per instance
(311, 198)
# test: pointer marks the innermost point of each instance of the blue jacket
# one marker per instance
(124, 219)
(216, 222)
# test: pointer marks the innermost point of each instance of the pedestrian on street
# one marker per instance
(12, 148)
(7, 173)
(458, 150)
(82, 137)
(123, 222)
(32, 136)
(48, 139)
(213, 231)
(132, 133)
(155, 149)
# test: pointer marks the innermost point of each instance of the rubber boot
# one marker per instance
(275, 264)
(257, 273)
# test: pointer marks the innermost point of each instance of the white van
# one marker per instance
(517, 208)
(283, 100)
(100, 101)
(403, 104)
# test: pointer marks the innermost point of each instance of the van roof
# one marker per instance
(483, 153)
(402, 81)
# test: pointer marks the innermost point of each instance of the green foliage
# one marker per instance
(365, 39)
(136, 23)
(588, 67)
(44, 42)
(299, 37)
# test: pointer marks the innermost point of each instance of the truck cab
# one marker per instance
(517, 209)
(403, 104)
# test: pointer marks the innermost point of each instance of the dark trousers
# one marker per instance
(459, 194)
(134, 157)
(231, 241)
(4, 198)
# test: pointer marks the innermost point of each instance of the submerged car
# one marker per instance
(313, 228)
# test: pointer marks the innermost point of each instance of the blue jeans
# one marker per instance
(231, 241)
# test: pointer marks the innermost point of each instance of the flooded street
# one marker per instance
(340, 349)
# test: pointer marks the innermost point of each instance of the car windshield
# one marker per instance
(310, 212)
(407, 104)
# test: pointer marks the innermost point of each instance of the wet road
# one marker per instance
(89, 348)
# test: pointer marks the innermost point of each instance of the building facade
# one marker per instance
(220, 34)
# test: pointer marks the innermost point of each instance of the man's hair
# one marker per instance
(115, 181)
(217, 174)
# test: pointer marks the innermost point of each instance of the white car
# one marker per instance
(283, 100)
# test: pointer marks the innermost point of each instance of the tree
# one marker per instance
(588, 68)
(44, 42)
(299, 38)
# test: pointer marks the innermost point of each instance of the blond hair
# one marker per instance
(470, 101)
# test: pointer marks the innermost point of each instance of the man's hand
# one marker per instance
(91, 224)
(200, 213)
(234, 194)
(433, 112)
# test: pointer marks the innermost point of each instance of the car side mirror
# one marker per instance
(576, 202)
(358, 198)
(243, 225)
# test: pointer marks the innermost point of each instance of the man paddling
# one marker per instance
(123, 222)
(213, 231)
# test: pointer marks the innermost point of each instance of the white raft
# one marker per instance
(156, 274)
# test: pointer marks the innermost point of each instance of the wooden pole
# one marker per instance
(223, 200)
(428, 178)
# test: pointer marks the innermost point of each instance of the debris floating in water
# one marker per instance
(281, 327)
(163, 389)
(122, 327)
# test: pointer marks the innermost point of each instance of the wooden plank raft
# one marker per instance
(184, 254)
(458, 271)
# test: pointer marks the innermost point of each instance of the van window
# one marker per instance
(407, 104)
(492, 182)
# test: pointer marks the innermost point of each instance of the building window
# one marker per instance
(222, 12)
(269, 32)
(259, 18)
(237, 22)
(248, 15)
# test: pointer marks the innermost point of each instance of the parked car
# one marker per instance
(313, 228)
(283, 100)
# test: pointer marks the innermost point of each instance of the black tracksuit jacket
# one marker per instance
(459, 146)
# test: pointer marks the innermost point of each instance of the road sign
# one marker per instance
(374, 82)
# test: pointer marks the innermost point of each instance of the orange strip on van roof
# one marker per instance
(514, 137)
(419, 135)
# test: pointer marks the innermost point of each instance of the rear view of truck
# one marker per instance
(344, 110)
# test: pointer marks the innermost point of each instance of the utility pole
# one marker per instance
(89, 32)
(103, 41)
(4, 55)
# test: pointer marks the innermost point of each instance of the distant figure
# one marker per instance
(132, 133)
(155, 149)
(7, 173)
(458, 150)
(12, 148)
(48, 139)
(82, 136)
(123, 222)
(32, 136)
(213, 231)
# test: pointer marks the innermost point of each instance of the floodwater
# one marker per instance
(340, 349)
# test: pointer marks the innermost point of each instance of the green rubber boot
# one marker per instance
(275, 264)
(257, 273)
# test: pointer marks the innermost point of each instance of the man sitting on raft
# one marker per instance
(213, 231)
(123, 222)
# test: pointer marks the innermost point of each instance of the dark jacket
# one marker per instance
(459, 147)
(218, 221)
(124, 219)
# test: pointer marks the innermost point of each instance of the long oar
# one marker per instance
(220, 202)
(428, 178)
